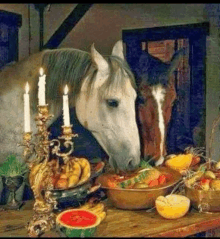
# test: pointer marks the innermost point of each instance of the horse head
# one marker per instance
(102, 90)
(157, 93)
(106, 107)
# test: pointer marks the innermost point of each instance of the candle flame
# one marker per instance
(27, 88)
(41, 71)
(66, 90)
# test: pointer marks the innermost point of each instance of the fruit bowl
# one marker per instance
(134, 199)
(203, 188)
(204, 201)
(78, 195)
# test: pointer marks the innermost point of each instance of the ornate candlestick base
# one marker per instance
(41, 170)
(40, 223)
(43, 219)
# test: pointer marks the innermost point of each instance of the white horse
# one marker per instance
(102, 90)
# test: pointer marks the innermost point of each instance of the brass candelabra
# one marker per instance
(37, 155)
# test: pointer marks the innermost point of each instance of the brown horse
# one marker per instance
(156, 95)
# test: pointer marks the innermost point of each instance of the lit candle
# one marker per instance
(66, 113)
(41, 88)
(27, 125)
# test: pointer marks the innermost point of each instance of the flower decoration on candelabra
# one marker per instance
(41, 170)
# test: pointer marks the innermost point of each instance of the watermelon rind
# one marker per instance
(78, 232)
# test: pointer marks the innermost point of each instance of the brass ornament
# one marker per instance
(41, 172)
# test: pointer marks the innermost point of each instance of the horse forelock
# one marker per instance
(119, 74)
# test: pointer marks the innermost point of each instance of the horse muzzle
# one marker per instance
(124, 164)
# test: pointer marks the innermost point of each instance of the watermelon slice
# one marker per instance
(78, 222)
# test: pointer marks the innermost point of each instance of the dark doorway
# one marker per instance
(187, 125)
(9, 25)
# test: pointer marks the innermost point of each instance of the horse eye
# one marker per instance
(112, 103)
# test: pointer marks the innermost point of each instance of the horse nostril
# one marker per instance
(132, 164)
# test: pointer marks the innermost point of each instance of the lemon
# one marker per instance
(172, 206)
(179, 162)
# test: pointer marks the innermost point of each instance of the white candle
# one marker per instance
(66, 113)
(41, 88)
(27, 125)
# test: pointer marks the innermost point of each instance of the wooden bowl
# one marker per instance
(134, 199)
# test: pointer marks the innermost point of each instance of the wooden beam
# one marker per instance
(68, 24)
(40, 8)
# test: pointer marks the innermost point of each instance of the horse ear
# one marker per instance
(99, 60)
(175, 60)
(118, 49)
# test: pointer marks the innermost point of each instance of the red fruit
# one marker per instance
(112, 184)
(202, 180)
(153, 183)
(162, 179)
(205, 180)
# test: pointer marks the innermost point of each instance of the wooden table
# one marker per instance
(120, 223)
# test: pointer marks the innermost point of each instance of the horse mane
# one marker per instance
(65, 66)
(62, 66)
(71, 66)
